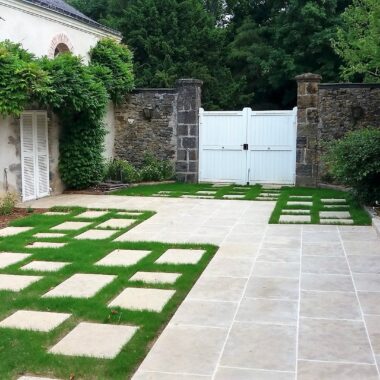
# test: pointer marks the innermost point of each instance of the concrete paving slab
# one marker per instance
(97, 340)
(295, 212)
(80, 286)
(295, 218)
(91, 214)
(299, 203)
(336, 221)
(334, 214)
(180, 256)
(34, 320)
(71, 226)
(45, 266)
(11, 231)
(123, 257)
(45, 244)
(95, 235)
(156, 277)
(47, 235)
(16, 282)
(143, 299)
(333, 200)
(56, 213)
(10, 258)
(234, 196)
(116, 223)
(226, 373)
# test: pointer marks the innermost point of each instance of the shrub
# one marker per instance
(354, 160)
(156, 170)
(121, 170)
(8, 203)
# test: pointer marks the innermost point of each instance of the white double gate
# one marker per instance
(247, 146)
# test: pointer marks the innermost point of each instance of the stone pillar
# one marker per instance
(188, 104)
(307, 129)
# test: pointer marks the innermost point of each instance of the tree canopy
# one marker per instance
(247, 52)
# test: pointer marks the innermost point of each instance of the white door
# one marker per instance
(34, 155)
(271, 147)
(221, 152)
(247, 146)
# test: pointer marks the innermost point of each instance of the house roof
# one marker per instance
(65, 9)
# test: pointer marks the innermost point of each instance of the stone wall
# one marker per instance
(327, 112)
(163, 122)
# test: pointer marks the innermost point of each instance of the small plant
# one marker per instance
(156, 170)
(8, 203)
(121, 170)
(30, 210)
(354, 160)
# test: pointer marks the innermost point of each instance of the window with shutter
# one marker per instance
(34, 155)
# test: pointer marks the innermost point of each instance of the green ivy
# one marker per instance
(118, 60)
(77, 93)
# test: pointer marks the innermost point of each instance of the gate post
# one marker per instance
(307, 129)
(188, 105)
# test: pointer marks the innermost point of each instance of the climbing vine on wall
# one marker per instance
(77, 93)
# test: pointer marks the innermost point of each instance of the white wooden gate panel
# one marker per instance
(246, 146)
(271, 142)
(222, 150)
(34, 155)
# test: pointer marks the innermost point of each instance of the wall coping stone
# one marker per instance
(349, 85)
(188, 82)
(308, 77)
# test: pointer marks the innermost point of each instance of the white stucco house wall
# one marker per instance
(29, 150)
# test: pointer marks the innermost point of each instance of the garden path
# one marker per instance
(276, 302)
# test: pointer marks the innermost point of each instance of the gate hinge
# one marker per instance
(245, 146)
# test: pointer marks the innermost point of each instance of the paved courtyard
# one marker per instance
(277, 302)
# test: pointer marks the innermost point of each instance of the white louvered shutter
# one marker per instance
(27, 157)
(42, 154)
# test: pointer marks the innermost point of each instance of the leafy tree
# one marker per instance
(275, 40)
(358, 40)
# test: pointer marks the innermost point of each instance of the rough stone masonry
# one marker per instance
(327, 112)
(164, 122)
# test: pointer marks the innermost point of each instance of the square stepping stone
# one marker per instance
(274, 195)
(333, 200)
(160, 195)
(336, 221)
(81, 285)
(47, 235)
(165, 192)
(266, 199)
(198, 196)
(335, 214)
(56, 213)
(41, 244)
(95, 235)
(206, 192)
(180, 256)
(16, 282)
(295, 219)
(10, 258)
(35, 378)
(45, 266)
(129, 213)
(234, 196)
(94, 340)
(156, 277)
(11, 231)
(299, 203)
(71, 226)
(296, 212)
(142, 299)
(221, 184)
(116, 223)
(91, 214)
(335, 206)
(301, 196)
(123, 257)
(34, 320)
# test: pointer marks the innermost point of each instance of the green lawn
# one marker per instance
(358, 214)
(178, 189)
(26, 351)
